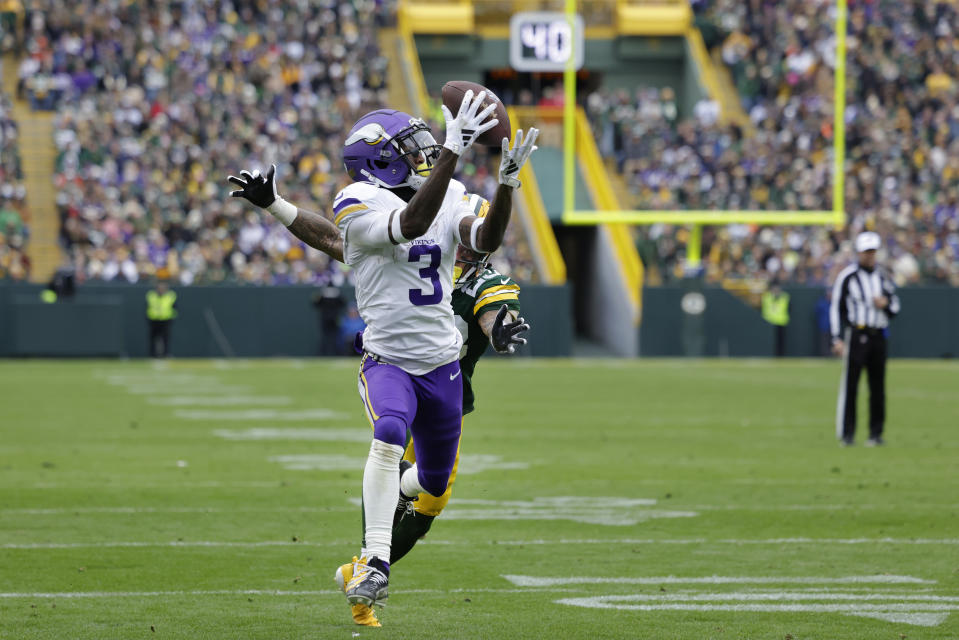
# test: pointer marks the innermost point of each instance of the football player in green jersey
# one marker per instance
(486, 305)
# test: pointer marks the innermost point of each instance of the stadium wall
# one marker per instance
(720, 324)
(110, 320)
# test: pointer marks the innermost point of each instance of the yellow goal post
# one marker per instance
(698, 218)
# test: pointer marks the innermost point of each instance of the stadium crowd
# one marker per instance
(14, 262)
(156, 117)
(902, 172)
(150, 121)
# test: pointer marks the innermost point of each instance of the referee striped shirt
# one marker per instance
(853, 300)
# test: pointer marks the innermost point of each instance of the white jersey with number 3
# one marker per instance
(403, 291)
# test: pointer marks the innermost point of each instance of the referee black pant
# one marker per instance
(865, 348)
(160, 338)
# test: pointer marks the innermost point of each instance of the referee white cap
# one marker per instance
(867, 241)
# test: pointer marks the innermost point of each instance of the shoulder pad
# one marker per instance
(355, 198)
(358, 190)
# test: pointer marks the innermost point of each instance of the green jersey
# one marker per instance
(487, 292)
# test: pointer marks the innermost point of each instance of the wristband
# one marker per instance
(510, 181)
(283, 211)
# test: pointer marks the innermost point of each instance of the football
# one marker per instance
(453, 92)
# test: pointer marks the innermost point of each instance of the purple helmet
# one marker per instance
(391, 149)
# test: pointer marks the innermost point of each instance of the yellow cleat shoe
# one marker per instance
(362, 613)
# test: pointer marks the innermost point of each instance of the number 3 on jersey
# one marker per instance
(430, 273)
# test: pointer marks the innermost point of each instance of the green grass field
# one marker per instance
(597, 499)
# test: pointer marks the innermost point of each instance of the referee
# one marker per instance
(863, 300)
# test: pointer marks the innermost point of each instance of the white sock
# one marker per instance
(380, 493)
(410, 483)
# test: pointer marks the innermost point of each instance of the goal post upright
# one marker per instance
(836, 216)
(839, 117)
(569, 115)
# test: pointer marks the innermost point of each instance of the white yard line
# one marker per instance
(62, 511)
(921, 602)
(818, 507)
(341, 434)
(908, 607)
(162, 382)
(319, 462)
(211, 484)
(474, 543)
(260, 414)
(736, 541)
(231, 364)
(909, 613)
(234, 592)
(469, 463)
(578, 502)
(599, 516)
(218, 400)
(174, 543)
(536, 581)
(607, 511)
(168, 389)
(773, 596)
(134, 377)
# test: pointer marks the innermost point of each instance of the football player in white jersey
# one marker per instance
(401, 223)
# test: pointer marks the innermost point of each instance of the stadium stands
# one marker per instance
(150, 121)
(902, 141)
(155, 118)
(14, 262)
(11, 24)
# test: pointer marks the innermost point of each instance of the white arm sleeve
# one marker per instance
(374, 229)
(462, 211)
(475, 206)
(474, 230)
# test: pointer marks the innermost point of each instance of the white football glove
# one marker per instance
(468, 125)
(514, 159)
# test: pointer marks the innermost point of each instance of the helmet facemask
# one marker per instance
(419, 150)
(469, 264)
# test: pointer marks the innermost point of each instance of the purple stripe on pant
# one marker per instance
(430, 406)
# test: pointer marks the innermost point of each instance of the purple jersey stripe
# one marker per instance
(344, 203)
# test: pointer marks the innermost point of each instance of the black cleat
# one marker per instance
(846, 442)
(404, 504)
(875, 442)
